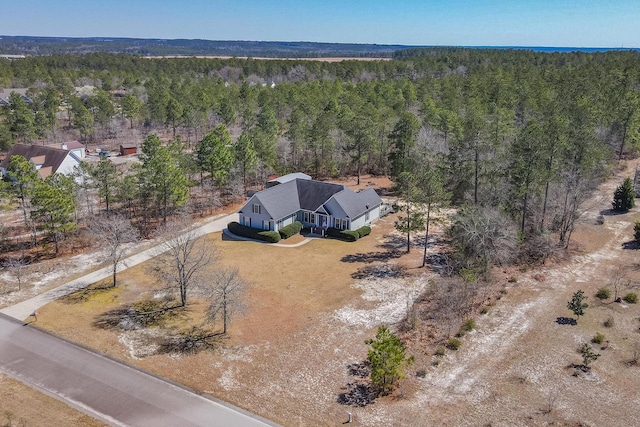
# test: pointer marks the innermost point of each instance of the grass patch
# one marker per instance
(631, 298)
(597, 338)
(453, 344)
(603, 293)
(100, 290)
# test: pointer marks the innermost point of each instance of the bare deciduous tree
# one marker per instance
(186, 257)
(483, 235)
(226, 295)
(17, 267)
(112, 233)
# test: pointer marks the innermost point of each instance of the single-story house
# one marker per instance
(6, 93)
(46, 160)
(317, 205)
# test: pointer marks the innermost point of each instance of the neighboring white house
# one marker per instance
(75, 147)
(316, 204)
(46, 160)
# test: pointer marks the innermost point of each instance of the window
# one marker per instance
(309, 217)
(265, 224)
(340, 224)
(366, 216)
(256, 209)
(345, 224)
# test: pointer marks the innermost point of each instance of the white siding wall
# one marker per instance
(67, 165)
(374, 214)
(357, 223)
(288, 220)
(360, 221)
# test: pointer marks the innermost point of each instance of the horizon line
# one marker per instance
(479, 46)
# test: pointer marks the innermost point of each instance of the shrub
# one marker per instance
(454, 344)
(609, 322)
(597, 338)
(364, 231)
(346, 235)
(290, 230)
(269, 236)
(469, 325)
(631, 298)
(440, 351)
(421, 373)
(484, 310)
(600, 220)
(636, 231)
(253, 233)
(603, 293)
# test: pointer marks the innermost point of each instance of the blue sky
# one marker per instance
(586, 23)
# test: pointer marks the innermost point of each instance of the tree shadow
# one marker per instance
(359, 392)
(394, 242)
(370, 257)
(566, 321)
(612, 212)
(191, 341)
(381, 271)
(631, 244)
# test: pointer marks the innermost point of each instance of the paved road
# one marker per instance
(24, 309)
(108, 390)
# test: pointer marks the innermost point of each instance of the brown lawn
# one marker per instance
(22, 405)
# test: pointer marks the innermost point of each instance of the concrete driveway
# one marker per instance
(23, 309)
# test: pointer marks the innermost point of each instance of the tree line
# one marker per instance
(516, 138)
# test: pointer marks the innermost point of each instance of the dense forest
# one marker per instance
(29, 45)
(514, 138)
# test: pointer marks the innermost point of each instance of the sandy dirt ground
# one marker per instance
(307, 317)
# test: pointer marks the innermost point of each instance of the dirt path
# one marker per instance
(515, 365)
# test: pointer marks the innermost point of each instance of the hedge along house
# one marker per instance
(317, 205)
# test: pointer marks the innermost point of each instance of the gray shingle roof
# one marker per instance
(355, 204)
(290, 177)
(292, 196)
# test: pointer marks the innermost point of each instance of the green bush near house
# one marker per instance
(269, 236)
(364, 231)
(290, 230)
(253, 233)
(346, 235)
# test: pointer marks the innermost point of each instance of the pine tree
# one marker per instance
(624, 196)
(388, 360)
